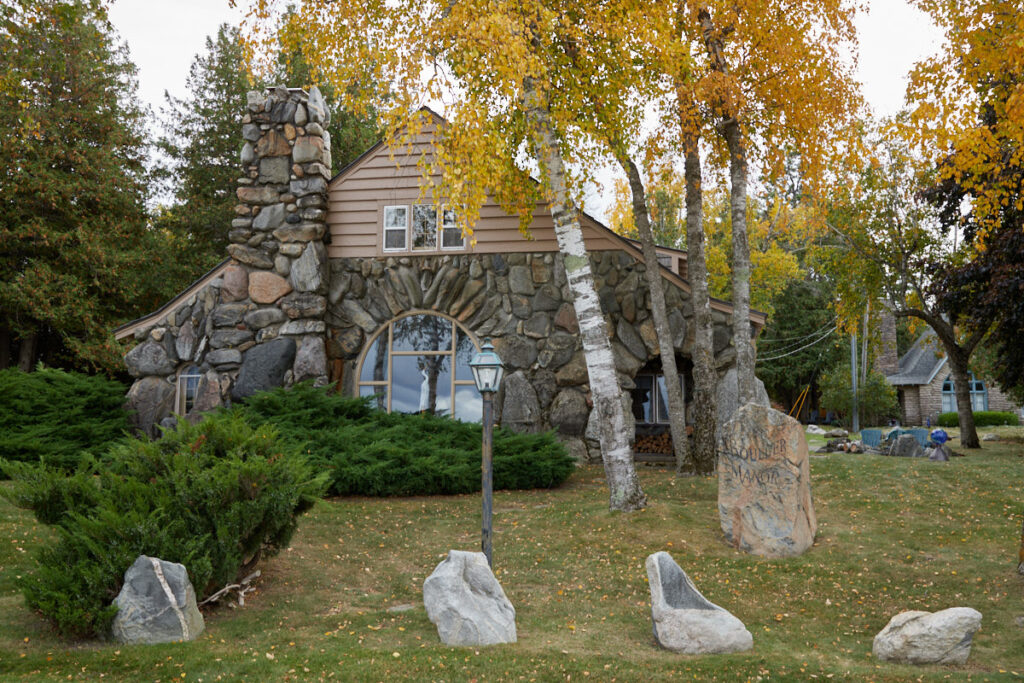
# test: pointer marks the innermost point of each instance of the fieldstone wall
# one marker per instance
(261, 323)
(521, 301)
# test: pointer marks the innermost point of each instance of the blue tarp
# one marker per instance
(920, 434)
(871, 437)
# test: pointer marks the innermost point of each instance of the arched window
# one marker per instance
(188, 386)
(419, 363)
(979, 395)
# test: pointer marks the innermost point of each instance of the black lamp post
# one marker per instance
(487, 371)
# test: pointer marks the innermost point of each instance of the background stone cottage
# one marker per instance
(359, 280)
(924, 381)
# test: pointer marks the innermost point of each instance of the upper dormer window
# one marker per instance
(416, 228)
(396, 224)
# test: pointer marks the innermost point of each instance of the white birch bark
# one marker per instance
(705, 379)
(659, 312)
(740, 262)
(732, 132)
(616, 452)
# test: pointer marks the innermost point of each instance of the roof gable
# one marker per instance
(921, 362)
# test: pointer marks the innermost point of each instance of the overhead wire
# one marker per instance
(800, 338)
(824, 336)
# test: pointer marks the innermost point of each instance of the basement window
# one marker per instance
(187, 388)
(650, 398)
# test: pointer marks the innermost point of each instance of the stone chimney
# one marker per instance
(887, 360)
(270, 316)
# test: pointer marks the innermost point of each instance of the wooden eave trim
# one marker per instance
(756, 317)
(157, 316)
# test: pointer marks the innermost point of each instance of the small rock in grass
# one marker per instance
(685, 621)
(157, 604)
(466, 602)
(917, 637)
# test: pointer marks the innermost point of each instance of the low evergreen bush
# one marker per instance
(215, 497)
(58, 415)
(372, 453)
(982, 418)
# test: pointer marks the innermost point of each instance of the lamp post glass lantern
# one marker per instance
(487, 371)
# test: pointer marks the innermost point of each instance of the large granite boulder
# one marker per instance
(157, 604)
(264, 367)
(764, 483)
(684, 620)
(466, 602)
(728, 397)
(520, 409)
(928, 637)
(906, 446)
(149, 358)
(150, 400)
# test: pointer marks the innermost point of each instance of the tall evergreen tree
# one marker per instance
(202, 138)
(200, 147)
(76, 256)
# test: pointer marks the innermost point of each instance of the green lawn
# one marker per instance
(894, 535)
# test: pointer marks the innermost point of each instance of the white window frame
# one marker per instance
(412, 230)
(444, 219)
(656, 417)
(181, 388)
(404, 229)
(453, 224)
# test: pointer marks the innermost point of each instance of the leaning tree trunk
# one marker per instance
(616, 453)
(740, 262)
(666, 346)
(962, 387)
(27, 352)
(705, 378)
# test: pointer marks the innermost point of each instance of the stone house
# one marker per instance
(924, 384)
(361, 281)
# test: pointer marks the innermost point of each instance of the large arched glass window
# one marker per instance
(420, 363)
(979, 395)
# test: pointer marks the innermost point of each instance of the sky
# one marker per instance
(163, 38)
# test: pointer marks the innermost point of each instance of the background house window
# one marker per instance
(650, 398)
(396, 220)
(188, 386)
(979, 395)
(420, 363)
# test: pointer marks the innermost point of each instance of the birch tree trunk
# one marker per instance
(616, 452)
(740, 261)
(733, 134)
(705, 378)
(659, 312)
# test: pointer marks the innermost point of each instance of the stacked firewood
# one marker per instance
(654, 443)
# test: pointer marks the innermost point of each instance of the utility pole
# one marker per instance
(855, 426)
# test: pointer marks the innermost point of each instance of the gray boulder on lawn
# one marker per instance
(684, 620)
(466, 602)
(157, 604)
(764, 484)
(928, 637)
(906, 446)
